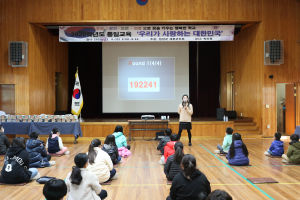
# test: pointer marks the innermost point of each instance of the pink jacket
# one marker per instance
(124, 152)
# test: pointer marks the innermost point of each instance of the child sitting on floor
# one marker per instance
(190, 183)
(219, 195)
(16, 164)
(164, 141)
(38, 154)
(100, 163)
(293, 152)
(4, 142)
(238, 152)
(169, 149)
(55, 189)
(55, 145)
(172, 166)
(111, 148)
(276, 148)
(121, 140)
(226, 143)
(83, 184)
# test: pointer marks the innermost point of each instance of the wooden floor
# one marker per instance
(142, 177)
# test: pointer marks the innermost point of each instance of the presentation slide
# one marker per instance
(144, 77)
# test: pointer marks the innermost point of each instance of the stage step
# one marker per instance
(246, 128)
(247, 131)
(245, 124)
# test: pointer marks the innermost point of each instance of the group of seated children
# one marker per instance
(188, 182)
(21, 158)
(91, 169)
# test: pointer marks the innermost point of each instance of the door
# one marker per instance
(7, 98)
(230, 91)
(290, 109)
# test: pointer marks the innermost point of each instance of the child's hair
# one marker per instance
(189, 165)
(168, 132)
(219, 195)
(229, 130)
(80, 160)
(111, 140)
(174, 137)
(55, 189)
(54, 131)
(178, 152)
(277, 136)
(1, 127)
(294, 137)
(34, 135)
(237, 136)
(119, 128)
(92, 153)
(18, 142)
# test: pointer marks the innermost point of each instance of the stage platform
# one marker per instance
(97, 127)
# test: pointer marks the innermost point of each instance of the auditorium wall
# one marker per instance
(35, 84)
(245, 56)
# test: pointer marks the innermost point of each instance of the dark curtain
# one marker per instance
(208, 78)
(204, 93)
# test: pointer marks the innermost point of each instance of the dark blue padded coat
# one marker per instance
(239, 158)
(38, 154)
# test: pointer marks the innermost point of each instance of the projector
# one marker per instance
(147, 117)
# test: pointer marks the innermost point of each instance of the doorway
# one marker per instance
(7, 98)
(286, 108)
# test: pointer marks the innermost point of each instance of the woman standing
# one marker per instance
(185, 110)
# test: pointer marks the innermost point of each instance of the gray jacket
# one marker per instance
(162, 144)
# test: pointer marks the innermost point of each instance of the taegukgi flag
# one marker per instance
(77, 98)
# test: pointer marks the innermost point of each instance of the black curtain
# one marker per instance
(204, 91)
(208, 78)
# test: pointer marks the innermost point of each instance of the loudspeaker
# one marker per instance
(17, 54)
(270, 76)
(231, 114)
(220, 113)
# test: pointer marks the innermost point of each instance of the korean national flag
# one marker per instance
(77, 98)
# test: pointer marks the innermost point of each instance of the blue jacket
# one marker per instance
(239, 158)
(37, 153)
(277, 148)
(121, 140)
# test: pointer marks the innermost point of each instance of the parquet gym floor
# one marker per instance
(142, 177)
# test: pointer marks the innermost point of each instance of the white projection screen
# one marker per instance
(144, 77)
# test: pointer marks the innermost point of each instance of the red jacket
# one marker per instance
(169, 149)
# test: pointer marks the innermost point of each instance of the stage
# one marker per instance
(98, 127)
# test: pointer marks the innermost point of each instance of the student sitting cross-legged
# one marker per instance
(164, 141)
(83, 184)
(16, 164)
(111, 148)
(238, 152)
(190, 183)
(54, 143)
(226, 143)
(169, 149)
(172, 166)
(55, 189)
(276, 148)
(293, 152)
(100, 162)
(38, 154)
(219, 195)
(4, 142)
